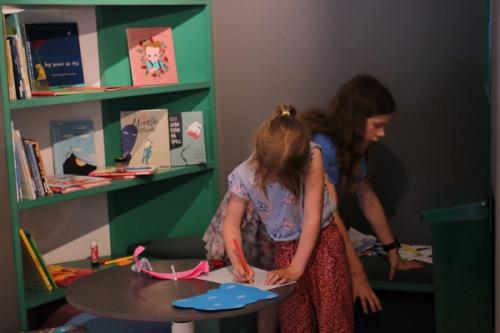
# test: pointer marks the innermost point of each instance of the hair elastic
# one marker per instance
(285, 112)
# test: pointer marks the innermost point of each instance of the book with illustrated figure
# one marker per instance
(73, 147)
(151, 56)
(144, 135)
(187, 138)
(53, 52)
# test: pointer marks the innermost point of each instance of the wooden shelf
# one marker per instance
(105, 95)
(105, 2)
(115, 185)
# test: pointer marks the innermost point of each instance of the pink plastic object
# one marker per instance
(143, 265)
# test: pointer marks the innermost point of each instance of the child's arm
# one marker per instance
(360, 285)
(231, 230)
(313, 209)
(374, 212)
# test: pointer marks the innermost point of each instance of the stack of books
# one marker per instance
(31, 178)
(130, 172)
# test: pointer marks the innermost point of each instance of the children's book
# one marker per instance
(73, 147)
(41, 164)
(39, 278)
(131, 172)
(38, 254)
(54, 56)
(25, 178)
(71, 183)
(64, 275)
(151, 55)
(19, 85)
(145, 137)
(187, 138)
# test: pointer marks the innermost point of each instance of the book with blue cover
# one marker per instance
(54, 56)
(187, 138)
(73, 147)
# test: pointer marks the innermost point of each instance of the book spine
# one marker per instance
(27, 186)
(41, 166)
(33, 166)
(35, 260)
(38, 254)
(24, 68)
(30, 66)
(16, 64)
(16, 164)
(10, 71)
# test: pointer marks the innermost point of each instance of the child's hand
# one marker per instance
(283, 275)
(240, 275)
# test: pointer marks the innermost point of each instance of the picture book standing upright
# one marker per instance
(145, 137)
(54, 54)
(152, 56)
(187, 138)
(73, 147)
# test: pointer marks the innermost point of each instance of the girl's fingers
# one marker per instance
(364, 305)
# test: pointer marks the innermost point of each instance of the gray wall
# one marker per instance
(428, 53)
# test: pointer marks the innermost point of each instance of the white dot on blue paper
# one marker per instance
(211, 297)
(241, 296)
(231, 286)
(216, 304)
(269, 296)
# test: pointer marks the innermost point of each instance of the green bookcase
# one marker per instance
(175, 202)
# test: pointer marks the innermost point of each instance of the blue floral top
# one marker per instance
(280, 212)
(330, 158)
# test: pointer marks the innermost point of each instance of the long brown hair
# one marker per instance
(360, 98)
(282, 150)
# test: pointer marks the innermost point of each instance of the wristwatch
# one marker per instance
(394, 245)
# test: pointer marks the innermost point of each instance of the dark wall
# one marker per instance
(495, 146)
(8, 294)
(428, 53)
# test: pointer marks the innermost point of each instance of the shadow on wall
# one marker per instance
(389, 181)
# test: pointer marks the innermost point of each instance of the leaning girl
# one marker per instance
(283, 180)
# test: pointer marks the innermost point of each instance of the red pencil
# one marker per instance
(241, 257)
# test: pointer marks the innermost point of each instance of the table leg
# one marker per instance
(183, 327)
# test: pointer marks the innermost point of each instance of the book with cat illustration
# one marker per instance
(151, 55)
(144, 135)
(187, 138)
(73, 147)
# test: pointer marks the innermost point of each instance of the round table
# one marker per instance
(119, 293)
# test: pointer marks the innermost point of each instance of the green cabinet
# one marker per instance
(463, 260)
(175, 202)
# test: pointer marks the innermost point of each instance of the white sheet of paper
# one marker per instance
(224, 275)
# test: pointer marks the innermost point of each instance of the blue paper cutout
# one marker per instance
(229, 296)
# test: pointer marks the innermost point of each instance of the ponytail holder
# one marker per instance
(285, 113)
